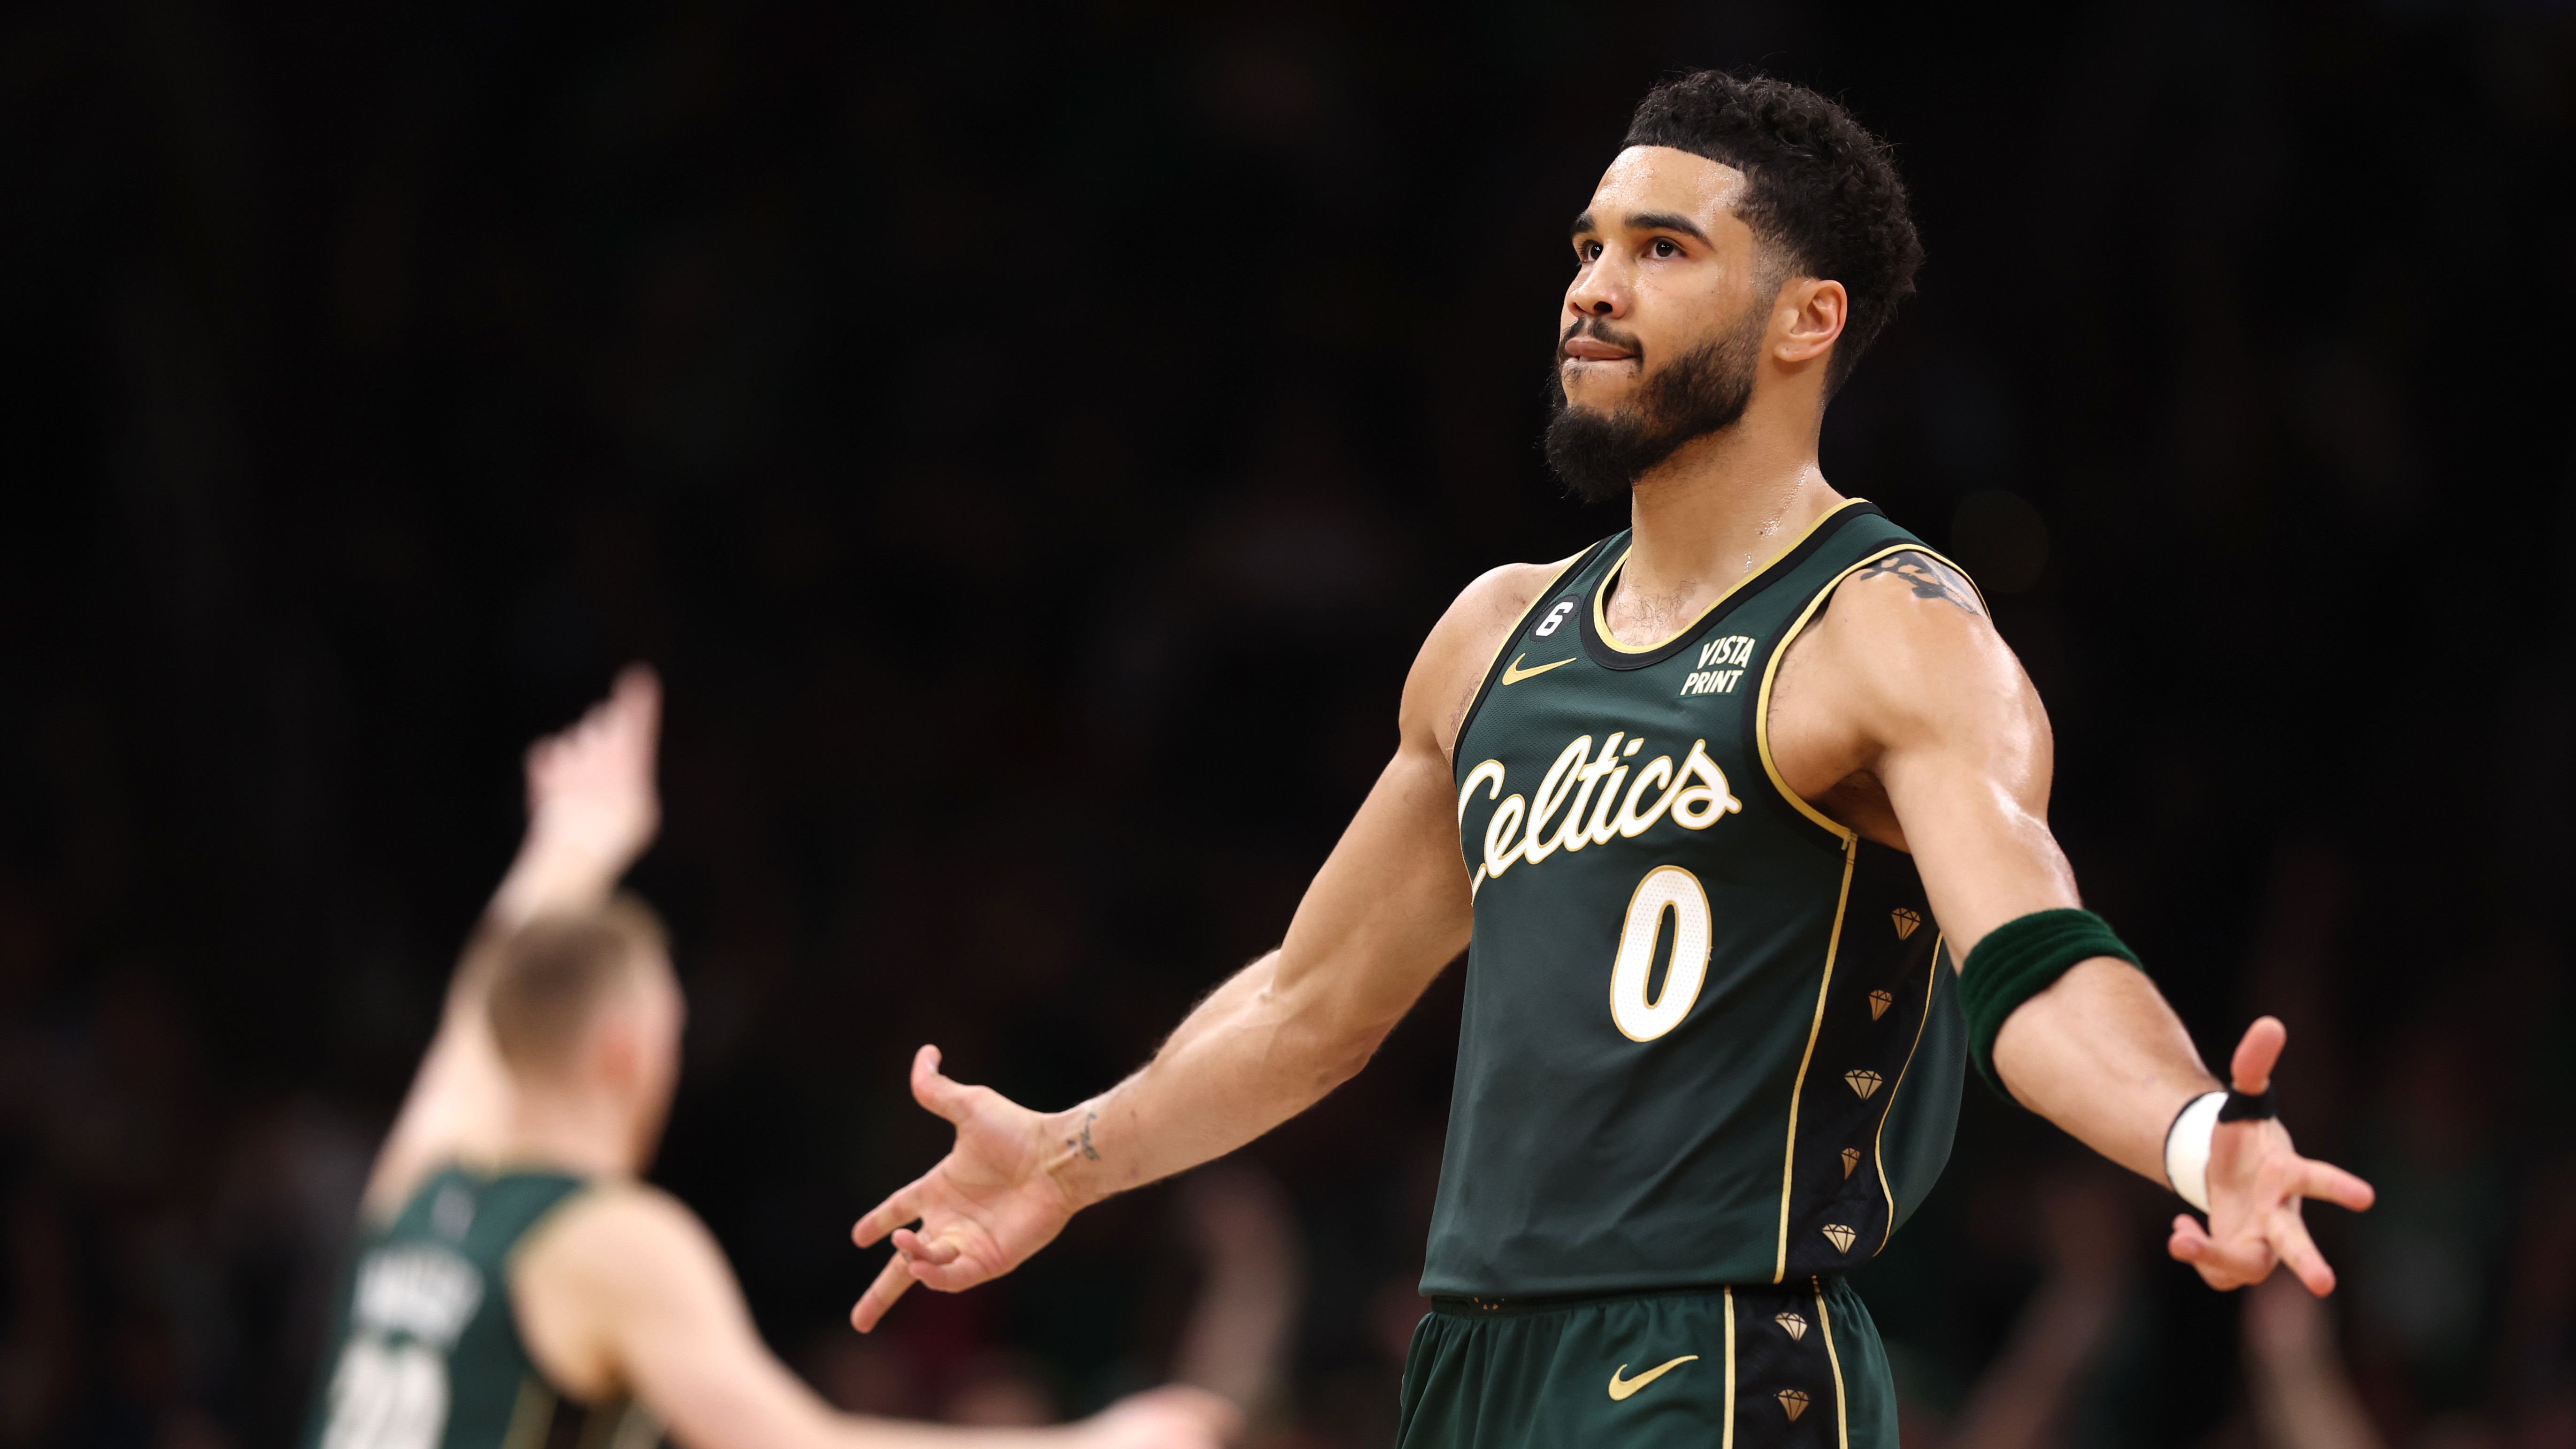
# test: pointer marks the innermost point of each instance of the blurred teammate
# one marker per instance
(514, 1285)
(1744, 811)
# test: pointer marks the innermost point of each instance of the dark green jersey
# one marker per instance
(1710, 1034)
(427, 1353)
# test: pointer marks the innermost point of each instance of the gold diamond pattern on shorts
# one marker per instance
(1841, 1237)
(1851, 1160)
(1795, 1326)
(1864, 1082)
(1907, 923)
(1795, 1401)
(1879, 1002)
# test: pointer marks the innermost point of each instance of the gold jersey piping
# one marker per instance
(1520, 621)
(1842, 1404)
(1727, 1439)
(1798, 1088)
(1771, 674)
(1878, 1137)
(1601, 590)
(531, 1416)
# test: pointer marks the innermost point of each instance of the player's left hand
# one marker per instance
(2256, 1181)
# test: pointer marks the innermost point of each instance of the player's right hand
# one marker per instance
(989, 1204)
(1171, 1417)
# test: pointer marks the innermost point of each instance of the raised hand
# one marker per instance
(592, 806)
(1166, 1418)
(993, 1200)
(2256, 1181)
(595, 779)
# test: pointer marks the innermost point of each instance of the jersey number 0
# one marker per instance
(1665, 888)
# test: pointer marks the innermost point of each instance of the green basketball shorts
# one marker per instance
(1797, 1364)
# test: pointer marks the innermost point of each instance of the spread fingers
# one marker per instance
(2329, 1183)
(885, 1217)
(890, 1284)
(2289, 1238)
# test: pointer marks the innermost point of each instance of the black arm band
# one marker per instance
(2242, 1108)
(2020, 959)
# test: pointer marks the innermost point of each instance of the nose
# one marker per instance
(1598, 291)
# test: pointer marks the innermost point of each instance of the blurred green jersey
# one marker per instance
(426, 1352)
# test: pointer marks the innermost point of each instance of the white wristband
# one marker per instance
(2187, 1148)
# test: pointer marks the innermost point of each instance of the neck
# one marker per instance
(586, 1133)
(1711, 516)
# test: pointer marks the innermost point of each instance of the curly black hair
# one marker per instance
(1822, 191)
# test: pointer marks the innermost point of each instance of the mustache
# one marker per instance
(1600, 330)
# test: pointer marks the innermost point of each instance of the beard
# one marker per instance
(1601, 455)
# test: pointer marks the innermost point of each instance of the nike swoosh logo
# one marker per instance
(1514, 674)
(1621, 1388)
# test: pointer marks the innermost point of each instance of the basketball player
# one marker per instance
(1741, 815)
(513, 1284)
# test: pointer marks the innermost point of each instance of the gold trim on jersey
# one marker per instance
(531, 1416)
(1519, 622)
(1842, 1401)
(1771, 674)
(1798, 1088)
(634, 1427)
(1601, 590)
(1878, 1139)
(1727, 1439)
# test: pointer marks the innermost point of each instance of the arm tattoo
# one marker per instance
(1088, 1150)
(1929, 578)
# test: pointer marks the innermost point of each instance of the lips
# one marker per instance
(1592, 349)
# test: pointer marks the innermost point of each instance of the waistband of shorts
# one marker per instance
(1513, 1305)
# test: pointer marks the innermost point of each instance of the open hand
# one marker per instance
(2256, 1181)
(590, 788)
(1172, 1417)
(990, 1203)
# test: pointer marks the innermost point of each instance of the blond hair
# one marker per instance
(555, 972)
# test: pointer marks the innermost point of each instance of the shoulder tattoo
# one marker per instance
(1929, 578)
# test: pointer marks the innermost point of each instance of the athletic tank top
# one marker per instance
(426, 1352)
(1710, 1035)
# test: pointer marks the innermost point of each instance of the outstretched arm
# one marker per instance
(1905, 694)
(592, 810)
(623, 1290)
(1389, 909)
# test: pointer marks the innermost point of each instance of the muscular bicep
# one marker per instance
(1391, 905)
(1957, 738)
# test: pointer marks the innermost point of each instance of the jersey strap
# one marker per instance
(1596, 640)
(1546, 615)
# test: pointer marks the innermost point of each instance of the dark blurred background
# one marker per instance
(1032, 441)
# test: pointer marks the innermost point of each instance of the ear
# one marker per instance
(617, 1048)
(1815, 309)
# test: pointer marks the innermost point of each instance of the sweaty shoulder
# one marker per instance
(1902, 654)
(1904, 624)
(1461, 648)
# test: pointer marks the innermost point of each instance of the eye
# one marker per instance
(1664, 247)
(1589, 251)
